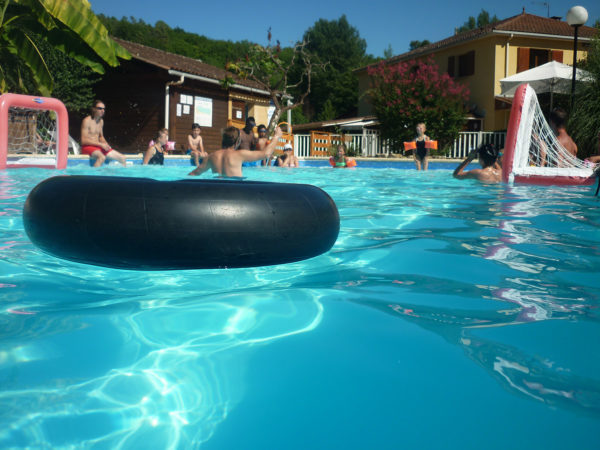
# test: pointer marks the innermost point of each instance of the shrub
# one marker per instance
(584, 121)
(407, 93)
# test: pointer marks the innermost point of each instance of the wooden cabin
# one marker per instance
(158, 89)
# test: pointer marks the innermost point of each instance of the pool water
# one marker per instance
(448, 314)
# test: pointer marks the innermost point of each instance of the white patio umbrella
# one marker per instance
(550, 77)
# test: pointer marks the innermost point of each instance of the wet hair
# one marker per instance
(488, 154)
(558, 116)
(250, 120)
(261, 127)
(162, 131)
(231, 138)
(195, 125)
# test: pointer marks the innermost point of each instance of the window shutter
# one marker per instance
(522, 59)
(451, 66)
(557, 55)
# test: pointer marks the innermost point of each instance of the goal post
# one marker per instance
(532, 153)
(21, 122)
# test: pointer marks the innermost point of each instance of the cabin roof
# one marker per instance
(172, 61)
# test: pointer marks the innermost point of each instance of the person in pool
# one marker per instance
(195, 146)
(155, 155)
(262, 142)
(228, 161)
(421, 153)
(288, 159)
(340, 159)
(248, 140)
(557, 121)
(490, 171)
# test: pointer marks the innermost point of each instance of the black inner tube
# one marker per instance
(145, 224)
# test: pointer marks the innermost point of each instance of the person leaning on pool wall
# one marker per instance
(490, 171)
(155, 154)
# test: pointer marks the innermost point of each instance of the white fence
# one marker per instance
(369, 144)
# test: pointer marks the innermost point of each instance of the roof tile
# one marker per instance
(172, 61)
(524, 23)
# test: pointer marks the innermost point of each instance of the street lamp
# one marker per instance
(576, 17)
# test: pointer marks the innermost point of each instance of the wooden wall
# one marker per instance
(181, 126)
(134, 95)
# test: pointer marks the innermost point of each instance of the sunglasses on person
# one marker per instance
(100, 108)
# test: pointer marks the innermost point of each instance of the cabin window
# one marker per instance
(466, 64)
(238, 111)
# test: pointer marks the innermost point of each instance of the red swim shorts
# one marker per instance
(89, 149)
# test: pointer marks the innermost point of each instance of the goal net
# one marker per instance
(33, 131)
(532, 153)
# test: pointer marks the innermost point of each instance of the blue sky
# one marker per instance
(379, 22)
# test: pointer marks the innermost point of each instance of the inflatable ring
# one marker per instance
(145, 224)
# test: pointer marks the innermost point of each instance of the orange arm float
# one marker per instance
(431, 144)
(410, 146)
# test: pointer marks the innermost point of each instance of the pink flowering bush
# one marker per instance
(406, 93)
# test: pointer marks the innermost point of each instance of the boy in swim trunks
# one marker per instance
(195, 146)
(92, 137)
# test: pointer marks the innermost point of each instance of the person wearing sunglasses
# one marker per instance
(228, 161)
(93, 142)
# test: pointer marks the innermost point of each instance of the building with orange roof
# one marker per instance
(480, 58)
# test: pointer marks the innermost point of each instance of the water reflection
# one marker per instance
(183, 370)
(527, 274)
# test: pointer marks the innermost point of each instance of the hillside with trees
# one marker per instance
(176, 40)
(334, 93)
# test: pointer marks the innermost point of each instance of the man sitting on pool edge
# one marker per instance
(490, 172)
(228, 161)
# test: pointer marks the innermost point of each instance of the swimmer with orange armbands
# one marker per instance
(420, 147)
(340, 159)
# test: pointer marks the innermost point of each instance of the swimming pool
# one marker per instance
(448, 315)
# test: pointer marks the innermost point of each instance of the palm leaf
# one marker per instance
(22, 45)
(70, 44)
(79, 17)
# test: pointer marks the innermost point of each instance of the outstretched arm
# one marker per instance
(459, 171)
(266, 152)
(201, 168)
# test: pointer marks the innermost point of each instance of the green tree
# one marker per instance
(176, 40)
(388, 52)
(328, 112)
(67, 25)
(406, 93)
(584, 120)
(265, 66)
(417, 44)
(482, 20)
(73, 81)
(338, 43)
